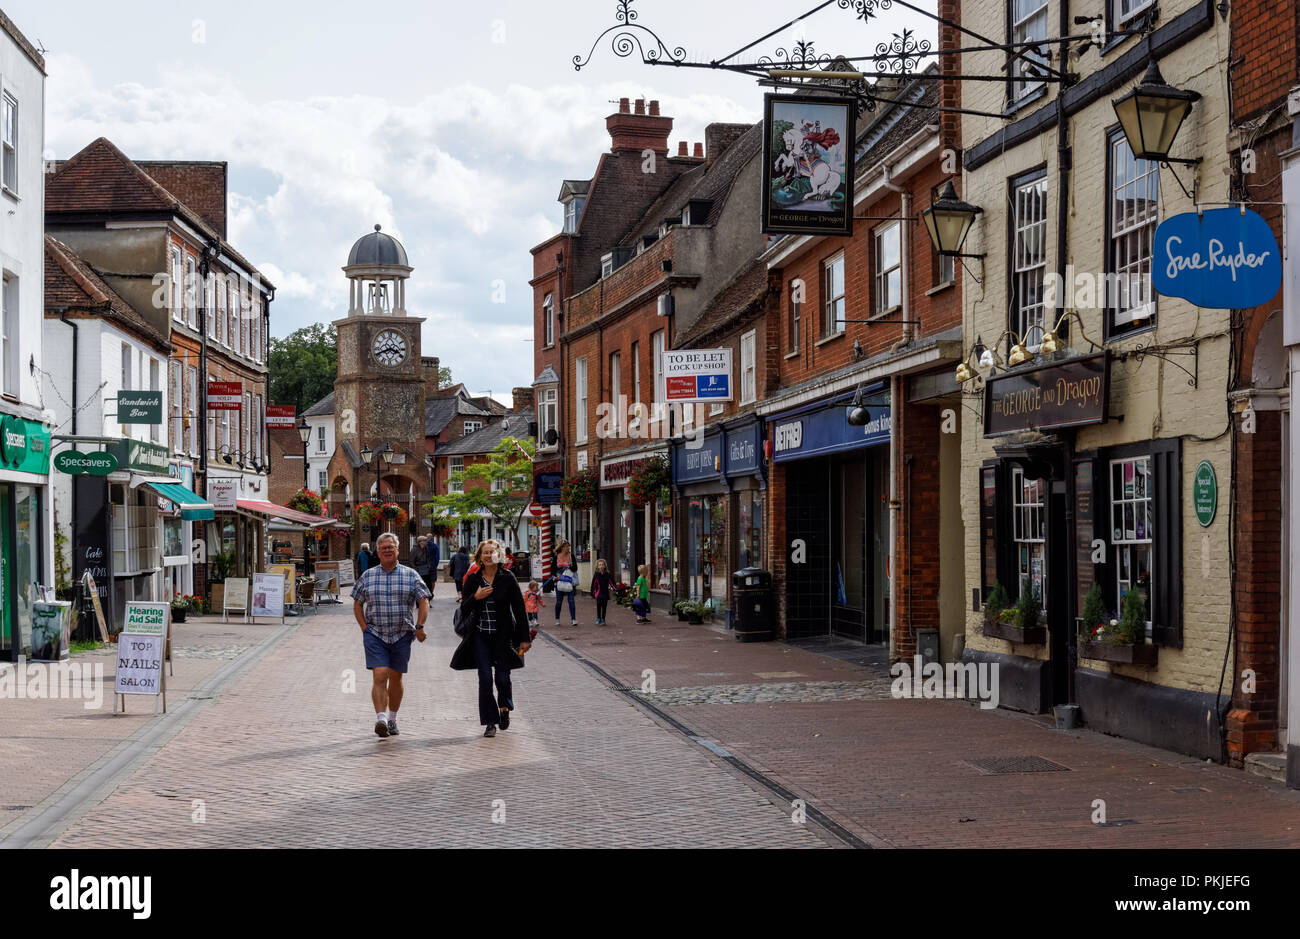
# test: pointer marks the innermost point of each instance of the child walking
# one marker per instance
(533, 606)
(641, 605)
(602, 588)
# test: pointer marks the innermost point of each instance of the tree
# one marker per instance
(444, 376)
(303, 365)
(505, 487)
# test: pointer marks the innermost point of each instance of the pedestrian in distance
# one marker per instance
(641, 605)
(383, 600)
(533, 607)
(420, 559)
(497, 635)
(434, 554)
(459, 567)
(363, 559)
(602, 588)
(566, 582)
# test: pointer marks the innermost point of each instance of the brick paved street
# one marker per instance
(284, 758)
(279, 755)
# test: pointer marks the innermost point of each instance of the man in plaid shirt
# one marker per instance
(383, 598)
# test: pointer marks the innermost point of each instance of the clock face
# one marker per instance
(390, 348)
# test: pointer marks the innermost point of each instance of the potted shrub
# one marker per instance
(220, 567)
(681, 607)
(180, 608)
(1020, 623)
(695, 613)
(1124, 639)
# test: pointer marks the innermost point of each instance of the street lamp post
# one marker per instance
(379, 456)
(304, 431)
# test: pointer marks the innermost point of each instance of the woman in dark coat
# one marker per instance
(493, 594)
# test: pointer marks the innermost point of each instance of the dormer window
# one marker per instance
(607, 264)
(696, 212)
(572, 211)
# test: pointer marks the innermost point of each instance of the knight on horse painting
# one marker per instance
(808, 175)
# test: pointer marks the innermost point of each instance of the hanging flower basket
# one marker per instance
(394, 513)
(304, 500)
(579, 491)
(442, 529)
(370, 515)
(648, 481)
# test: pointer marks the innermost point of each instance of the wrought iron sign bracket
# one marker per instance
(1166, 355)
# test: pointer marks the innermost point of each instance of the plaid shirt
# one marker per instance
(390, 598)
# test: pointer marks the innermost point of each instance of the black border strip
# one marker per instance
(1165, 40)
(835, 828)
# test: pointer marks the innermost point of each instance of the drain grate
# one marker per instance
(1006, 765)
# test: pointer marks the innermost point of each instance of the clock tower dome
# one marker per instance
(380, 387)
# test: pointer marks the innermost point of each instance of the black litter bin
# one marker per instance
(752, 599)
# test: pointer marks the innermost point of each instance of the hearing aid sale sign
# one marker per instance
(694, 375)
(1219, 259)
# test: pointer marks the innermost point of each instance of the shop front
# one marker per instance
(721, 504)
(25, 529)
(834, 480)
(633, 534)
(132, 527)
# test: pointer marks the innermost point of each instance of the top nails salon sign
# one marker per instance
(1221, 258)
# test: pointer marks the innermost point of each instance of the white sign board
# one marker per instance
(347, 576)
(141, 649)
(697, 375)
(268, 595)
(223, 493)
(235, 596)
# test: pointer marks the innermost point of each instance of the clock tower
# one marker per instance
(380, 388)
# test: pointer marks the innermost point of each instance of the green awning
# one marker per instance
(192, 505)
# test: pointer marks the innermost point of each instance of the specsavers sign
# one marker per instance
(24, 445)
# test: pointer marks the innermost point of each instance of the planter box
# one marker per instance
(1029, 635)
(1125, 655)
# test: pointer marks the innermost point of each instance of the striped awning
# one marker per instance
(194, 508)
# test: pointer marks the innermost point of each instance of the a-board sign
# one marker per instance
(141, 648)
(268, 595)
(93, 590)
(235, 597)
(288, 572)
(347, 576)
(50, 631)
(327, 575)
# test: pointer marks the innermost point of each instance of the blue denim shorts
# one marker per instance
(394, 655)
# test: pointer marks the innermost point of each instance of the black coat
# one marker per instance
(459, 564)
(511, 621)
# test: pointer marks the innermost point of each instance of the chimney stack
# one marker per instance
(682, 149)
(718, 137)
(629, 130)
(522, 398)
(699, 151)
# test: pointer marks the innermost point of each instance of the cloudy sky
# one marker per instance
(450, 124)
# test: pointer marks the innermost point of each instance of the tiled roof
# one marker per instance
(709, 181)
(548, 375)
(101, 179)
(439, 412)
(321, 408)
(71, 283)
(491, 434)
(200, 185)
(732, 304)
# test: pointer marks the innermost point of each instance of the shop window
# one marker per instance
(1028, 256)
(663, 545)
(1131, 515)
(1028, 521)
(580, 543)
(135, 531)
(749, 547)
(1134, 187)
(174, 538)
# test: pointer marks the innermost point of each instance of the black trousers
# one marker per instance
(489, 707)
(601, 605)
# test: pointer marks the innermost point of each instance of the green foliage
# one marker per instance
(1094, 610)
(444, 376)
(302, 366)
(996, 603)
(1029, 606)
(62, 575)
(221, 565)
(1132, 619)
(510, 467)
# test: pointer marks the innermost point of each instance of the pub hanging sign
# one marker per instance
(1070, 394)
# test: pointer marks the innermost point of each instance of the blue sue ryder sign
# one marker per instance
(1221, 258)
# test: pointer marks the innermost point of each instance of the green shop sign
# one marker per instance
(139, 407)
(1205, 493)
(140, 456)
(24, 445)
(75, 463)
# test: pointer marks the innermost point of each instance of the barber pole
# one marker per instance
(543, 514)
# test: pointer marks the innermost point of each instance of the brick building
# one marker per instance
(874, 319)
(157, 232)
